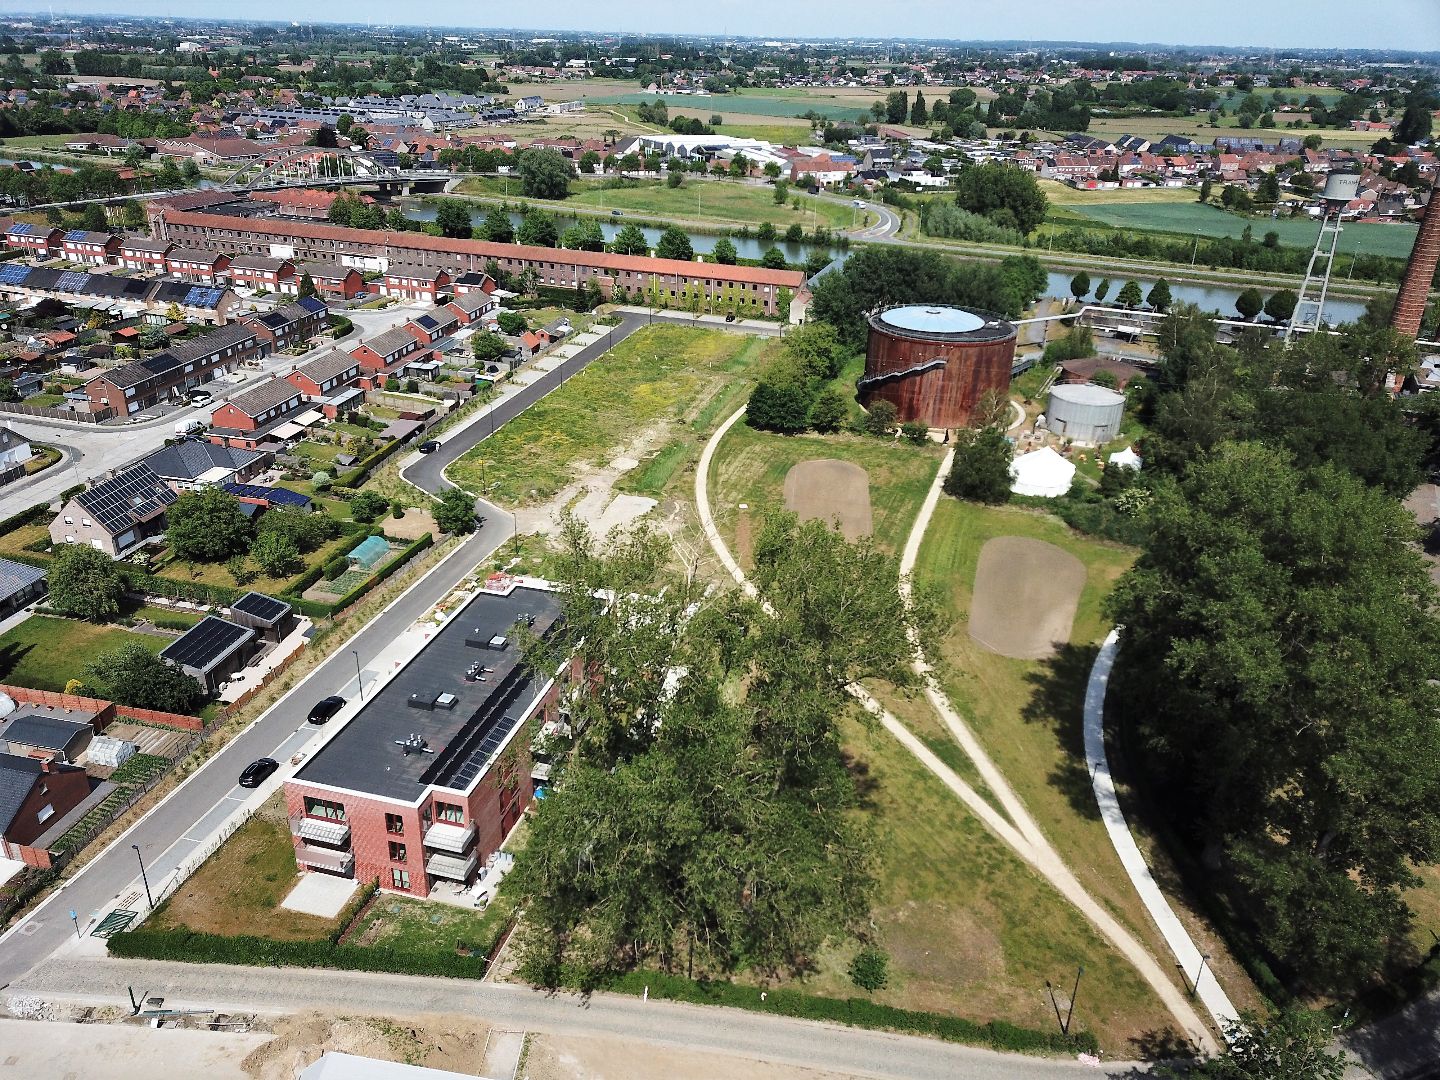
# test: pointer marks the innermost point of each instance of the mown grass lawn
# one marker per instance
(750, 466)
(44, 653)
(420, 926)
(661, 374)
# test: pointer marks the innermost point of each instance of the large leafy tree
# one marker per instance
(1281, 659)
(497, 227)
(538, 229)
(702, 820)
(544, 173)
(980, 471)
(453, 220)
(1291, 1044)
(135, 676)
(674, 244)
(630, 240)
(206, 526)
(455, 512)
(85, 583)
(1007, 194)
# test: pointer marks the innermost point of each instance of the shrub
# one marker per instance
(915, 431)
(870, 970)
(335, 567)
(880, 420)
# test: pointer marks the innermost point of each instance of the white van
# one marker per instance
(188, 427)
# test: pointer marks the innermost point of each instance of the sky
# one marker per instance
(1398, 24)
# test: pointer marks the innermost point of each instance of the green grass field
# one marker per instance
(1065, 195)
(749, 104)
(750, 467)
(661, 375)
(45, 653)
(1189, 217)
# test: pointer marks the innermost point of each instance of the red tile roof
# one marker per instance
(485, 249)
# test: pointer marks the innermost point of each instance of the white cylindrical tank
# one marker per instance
(1341, 187)
(1085, 413)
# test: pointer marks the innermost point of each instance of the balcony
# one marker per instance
(320, 831)
(452, 868)
(443, 836)
(338, 862)
(540, 771)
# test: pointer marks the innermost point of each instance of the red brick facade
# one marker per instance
(1419, 273)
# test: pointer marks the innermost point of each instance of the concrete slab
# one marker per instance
(320, 894)
(502, 1054)
(35, 1048)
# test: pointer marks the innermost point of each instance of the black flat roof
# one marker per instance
(206, 643)
(365, 756)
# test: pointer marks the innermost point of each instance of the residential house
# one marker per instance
(197, 463)
(325, 376)
(246, 418)
(92, 248)
(472, 307)
(20, 586)
(411, 282)
(183, 366)
(207, 267)
(260, 272)
(288, 324)
(42, 241)
(383, 354)
(335, 282)
(433, 325)
(14, 449)
(142, 253)
(115, 515)
(35, 795)
(211, 651)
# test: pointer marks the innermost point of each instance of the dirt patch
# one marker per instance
(454, 1043)
(1026, 594)
(412, 526)
(591, 496)
(744, 541)
(564, 1057)
(836, 492)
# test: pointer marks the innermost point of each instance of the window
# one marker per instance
(322, 808)
(399, 879)
(395, 824)
(69, 521)
(45, 812)
(397, 852)
(449, 812)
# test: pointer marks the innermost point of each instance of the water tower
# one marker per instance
(1309, 312)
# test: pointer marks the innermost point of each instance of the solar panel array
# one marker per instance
(116, 502)
(76, 235)
(206, 642)
(72, 281)
(202, 297)
(276, 496)
(458, 764)
(13, 274)
(260, 606)
(24, 228)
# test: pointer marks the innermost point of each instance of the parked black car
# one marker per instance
(325, 708)
(429, 446)
(257, 771)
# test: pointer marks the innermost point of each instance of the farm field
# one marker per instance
(662, 378)
(1188, 218)
(44, 653)
(1065, 195)
(1027, 713)
(749, 104)
(1196, 127)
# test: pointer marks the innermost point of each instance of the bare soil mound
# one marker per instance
(836, 492)
(1026, 593)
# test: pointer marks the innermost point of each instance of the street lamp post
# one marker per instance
(141, 860)
(1195, 986)
(359, 682)
(1073, 994)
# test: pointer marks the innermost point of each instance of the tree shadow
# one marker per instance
(1162, 1045)
(10, 658)
(1057, 702)
(860, 776)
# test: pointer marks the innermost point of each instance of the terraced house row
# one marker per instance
(424, 263)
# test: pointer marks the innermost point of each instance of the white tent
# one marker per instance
(1126, 459)
(1044, 473)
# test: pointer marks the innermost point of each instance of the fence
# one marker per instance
(98, 416)
(182, 873)
(24, 695)
(249, 695)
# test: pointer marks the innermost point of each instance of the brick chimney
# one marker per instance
(1419, 272)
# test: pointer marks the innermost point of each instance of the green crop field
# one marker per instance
(1189, 218)
(741, 103)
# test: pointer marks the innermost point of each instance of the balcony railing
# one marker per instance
(320, 830)
(445, 836)
(340, 862)
(452, 868)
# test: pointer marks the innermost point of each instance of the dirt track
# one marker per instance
(1026, 593)
(831, 491)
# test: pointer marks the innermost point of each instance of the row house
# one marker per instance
(184, 365)
(41, 241)
(143, 253)
(289, 324)
(335, 282)
(260, 272)
(384, 354)
(476, 281)
(325, 376)
(412, 282)
(91, 248)
(472, 307)
(246, 419)
(205, 267)
(433, 325)
(616, 275)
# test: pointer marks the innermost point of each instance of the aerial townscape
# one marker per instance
(786, 544)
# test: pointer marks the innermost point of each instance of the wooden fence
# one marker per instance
(98, 416)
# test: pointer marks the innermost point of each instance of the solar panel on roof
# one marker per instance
(23, 228)
(202, 297)
(72, 281)
(260, 606)
(75, 234)
(206, 642)
(13, 274)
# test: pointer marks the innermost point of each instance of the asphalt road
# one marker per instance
(514, 1007)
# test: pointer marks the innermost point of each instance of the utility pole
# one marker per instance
(139, 858)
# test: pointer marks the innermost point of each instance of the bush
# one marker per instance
(870, 970)
(915, 431)
(335, 567)
(367, 506)
(880, 420)
(980, 471)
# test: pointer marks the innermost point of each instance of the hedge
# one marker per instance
(399, 560)
(335, 567)
(28, 516)
(356, 476)
(352, 910)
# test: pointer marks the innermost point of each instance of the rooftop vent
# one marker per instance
(446, 701)
(413, 744)
(423, 700)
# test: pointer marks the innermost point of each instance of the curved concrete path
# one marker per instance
(1020, 832)
(1187, 954)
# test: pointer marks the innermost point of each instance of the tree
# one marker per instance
(1290, 1044)
(1415, 124)
(1206, 186)
(1102, 289)
(1080, 285)
(1129, 295)
(206, 526)
(584, 235)
(275, 553)
(880, 419)
(1280, 306)
(779, 405)
(773, 259)
(325, 137)
(538, 229)
(455, 512)
(1007, 194)
(307, 286)
(366, 506)
(496, 227)
(828, 411)
(512, 322)
(630, 240)
(85, 583)
(453, 220)
(1281, 662)
(765, 234)
(1159, 296)
(544, 174)
(590, 162)
(915, 431)
(96, 220)
(674, 179)
(488, 346)
(980, 471)
(8, 392)
(919, 114)
(782, 192)
(135, 676)
(674, 244)
(896, 107)
(724, 252)
(870, 969)
(1249, 304)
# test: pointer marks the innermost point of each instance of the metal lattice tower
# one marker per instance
(1309, 311)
